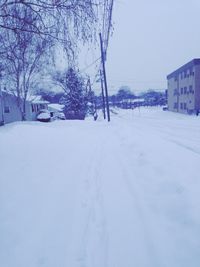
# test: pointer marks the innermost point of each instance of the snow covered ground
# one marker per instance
(93, 194)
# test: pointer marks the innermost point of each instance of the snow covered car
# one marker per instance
(61, 116)
(44, 116)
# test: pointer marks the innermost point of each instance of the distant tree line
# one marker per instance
(154, 97)
(125, 98)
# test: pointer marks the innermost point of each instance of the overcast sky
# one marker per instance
(150, 40)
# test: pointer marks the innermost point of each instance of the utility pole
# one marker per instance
(104, 75)
(103, 97)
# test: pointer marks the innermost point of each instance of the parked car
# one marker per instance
(44, 116)
(165, 108)
(61, 116)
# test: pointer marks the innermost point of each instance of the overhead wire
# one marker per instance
(106, 29)
(90, 65)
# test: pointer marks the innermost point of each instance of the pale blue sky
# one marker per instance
(150, 40)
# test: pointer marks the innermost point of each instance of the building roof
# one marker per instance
(188, 65)
(31, 98)
(138, 100)
(56, 107)
(36, 99)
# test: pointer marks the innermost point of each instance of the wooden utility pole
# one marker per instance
(104, 76)
(103, 96)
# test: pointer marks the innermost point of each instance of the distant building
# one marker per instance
(33, 106)
(184, 88)
(137, 102)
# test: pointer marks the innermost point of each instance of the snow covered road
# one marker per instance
(93, 194)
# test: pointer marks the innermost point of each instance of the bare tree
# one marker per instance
(29, 27)
(59, 19)
(22, 55)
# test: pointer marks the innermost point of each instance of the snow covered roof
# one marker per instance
(57, 107)
(132, 100)
(37, 99)
(194, 62)
(138, 100)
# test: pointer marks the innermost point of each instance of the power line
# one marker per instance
(104, 39)
(90, 65)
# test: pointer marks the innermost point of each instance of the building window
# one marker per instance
(42, 106)
(185, 73)
(191, 90)
(181, 105)
(185, 90)
(185, 106)
(176, 91)
(6, 109)
(32, 108)
(36, 108)
(181, 91)
(175, 105)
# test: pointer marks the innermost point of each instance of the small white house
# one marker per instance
(35, 105)
(10, 108)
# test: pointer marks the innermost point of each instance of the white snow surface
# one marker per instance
(93, 194)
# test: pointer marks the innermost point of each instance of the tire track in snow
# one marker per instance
(94, 242)
(138, 204)
(166, 134)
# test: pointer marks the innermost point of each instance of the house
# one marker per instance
(184, 88)
(34, 105)
(10, 111)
